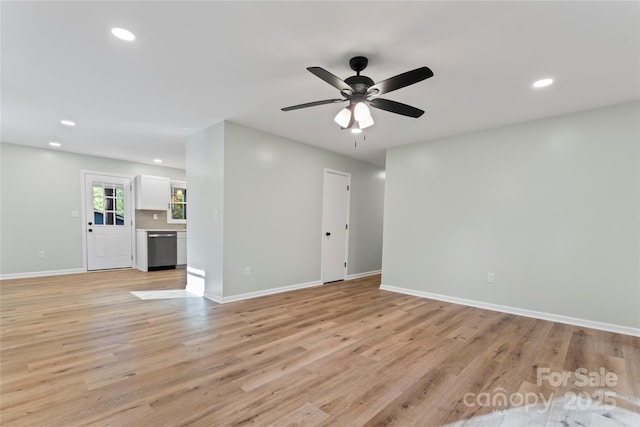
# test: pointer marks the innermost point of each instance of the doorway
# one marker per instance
(108, 221)
(335, 225)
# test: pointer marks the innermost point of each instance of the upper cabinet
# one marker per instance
(152, 192)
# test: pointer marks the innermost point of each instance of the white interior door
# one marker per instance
(108, 221)
(335, 225)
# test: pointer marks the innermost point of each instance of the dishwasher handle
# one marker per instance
(161, 235)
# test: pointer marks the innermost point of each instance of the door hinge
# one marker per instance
(346, 226)
(345, 265)
(347, 188)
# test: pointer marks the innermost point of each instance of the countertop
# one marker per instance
(159, 229)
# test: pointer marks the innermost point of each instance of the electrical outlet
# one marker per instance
(155, 216)
(41, 254)
(489, 277)
(247, 271)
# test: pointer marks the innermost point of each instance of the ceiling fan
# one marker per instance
(361, 92)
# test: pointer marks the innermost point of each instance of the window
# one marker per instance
(108, 204)
(177, 212)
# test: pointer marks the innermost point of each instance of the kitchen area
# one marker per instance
(161, 223)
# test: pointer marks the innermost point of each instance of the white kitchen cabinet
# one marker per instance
(152, 192)
(141, 250)
(182, 248)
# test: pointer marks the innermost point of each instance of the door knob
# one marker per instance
(90, 223)
(327, 234)
(90, 230)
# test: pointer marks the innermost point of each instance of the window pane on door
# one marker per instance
(120, 208)
(98, 218)
(98, 197)
(108, 204)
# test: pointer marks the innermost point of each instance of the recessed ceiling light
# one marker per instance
(68, 123)
(123, 34)
(157, 160)
(356, 130)
(55, 144)
(542, 83)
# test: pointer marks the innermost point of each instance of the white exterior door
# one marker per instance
(335, 225)
(108, 221)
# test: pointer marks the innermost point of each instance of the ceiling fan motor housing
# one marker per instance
(360, 84)
(358, 63)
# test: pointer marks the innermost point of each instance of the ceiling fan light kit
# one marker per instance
(343, 117)
(363, 124)
(361, 93)
(361, 112)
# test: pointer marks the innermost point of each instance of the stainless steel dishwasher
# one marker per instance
(162, 249)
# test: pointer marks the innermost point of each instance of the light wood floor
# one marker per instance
(81, 350)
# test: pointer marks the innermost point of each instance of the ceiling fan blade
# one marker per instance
(401, 80)
(330, 78)
(396, 107)
(313, 104)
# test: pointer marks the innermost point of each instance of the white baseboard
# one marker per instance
(249, 295)
(365, 274)
(213, 298)
(620, 329)
(41, 273)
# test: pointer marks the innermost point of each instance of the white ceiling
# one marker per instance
(197, 63)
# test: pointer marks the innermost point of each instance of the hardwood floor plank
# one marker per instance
(409, 404)
(305, 416)
(81, 350)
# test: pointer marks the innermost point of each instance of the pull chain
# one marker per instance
(355, 141)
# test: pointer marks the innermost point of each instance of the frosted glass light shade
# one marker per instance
(361, 112)
(365, 123)
(343, 117)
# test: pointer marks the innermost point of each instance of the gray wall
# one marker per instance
(205, 178)
(552, 207)
(273, 209)
(38, 190)
(273, 187)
